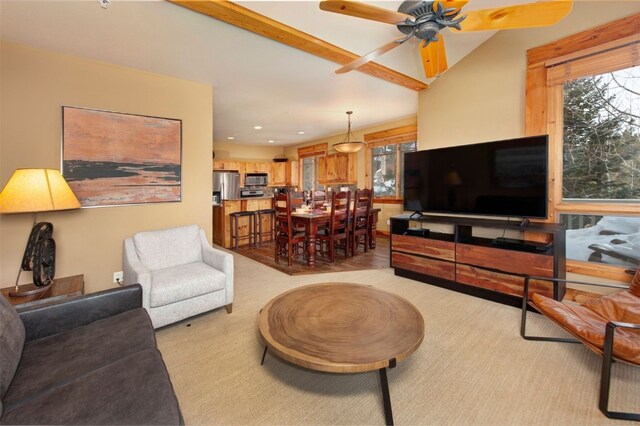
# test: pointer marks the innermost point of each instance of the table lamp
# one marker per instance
(34, 191)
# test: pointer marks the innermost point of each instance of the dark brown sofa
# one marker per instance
(90, 360)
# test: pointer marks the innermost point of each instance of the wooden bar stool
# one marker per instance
(251, 235)
(272, 220)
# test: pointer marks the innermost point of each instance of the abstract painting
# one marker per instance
(112, 158)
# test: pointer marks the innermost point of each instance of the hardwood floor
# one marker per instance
(377, 258)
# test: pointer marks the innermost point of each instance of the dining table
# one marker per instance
(314, 219)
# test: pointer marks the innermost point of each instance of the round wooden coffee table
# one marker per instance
(342, 328)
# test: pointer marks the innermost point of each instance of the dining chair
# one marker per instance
(338, 226)
(296, 199)
(287, 237)
(360, 219)
(318, 198)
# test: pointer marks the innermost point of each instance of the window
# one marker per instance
(601, 137)
(584, 91)
(387, 169)
(308, 157)
(385, 162)
(310, 174)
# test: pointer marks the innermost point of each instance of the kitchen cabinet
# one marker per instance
(284, 174)
(337, 168)
(259, 167)
(227, 165)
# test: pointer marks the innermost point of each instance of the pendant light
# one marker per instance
(347, 146)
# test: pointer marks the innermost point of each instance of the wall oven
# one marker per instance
(256, 179)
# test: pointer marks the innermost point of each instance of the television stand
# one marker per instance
(465, 260)
(521, 245)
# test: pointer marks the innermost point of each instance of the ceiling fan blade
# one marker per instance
(521, 16)
(364, 11)
(371, 55)
(434, 58)
(448, 4)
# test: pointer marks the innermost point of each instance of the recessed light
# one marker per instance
(301, 133)
(257, 127)
(271, 141)
(230, 138)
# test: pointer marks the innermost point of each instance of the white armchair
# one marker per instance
(180, 273)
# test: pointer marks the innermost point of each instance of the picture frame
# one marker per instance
(114, 158)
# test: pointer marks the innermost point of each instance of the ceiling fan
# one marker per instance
(425, 19)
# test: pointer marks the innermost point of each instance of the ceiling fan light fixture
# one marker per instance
(348, 146)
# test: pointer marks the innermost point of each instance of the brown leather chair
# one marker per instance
(287, 237)
(338, 227)
(360, 219)
(608, 325)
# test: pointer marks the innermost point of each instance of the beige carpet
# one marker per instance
(472, 368)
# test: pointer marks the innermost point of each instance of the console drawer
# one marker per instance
(424, 246)
(513, 261)
(433, 267)
(504, 283)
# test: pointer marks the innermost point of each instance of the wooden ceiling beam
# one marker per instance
(249, 20)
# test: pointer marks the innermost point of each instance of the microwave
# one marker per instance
(256, 179)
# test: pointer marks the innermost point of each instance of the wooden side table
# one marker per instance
(62, 288)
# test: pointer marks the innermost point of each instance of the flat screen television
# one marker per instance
(502, 178)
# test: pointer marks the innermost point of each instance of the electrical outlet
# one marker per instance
(388, 221)
(118, 276)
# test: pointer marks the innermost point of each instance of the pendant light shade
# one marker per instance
(348, 146)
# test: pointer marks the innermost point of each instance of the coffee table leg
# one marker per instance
(263, 355)
(386, 398)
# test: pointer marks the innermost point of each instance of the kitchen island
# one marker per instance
(222, 222)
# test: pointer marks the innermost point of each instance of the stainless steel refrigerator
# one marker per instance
(226, 185)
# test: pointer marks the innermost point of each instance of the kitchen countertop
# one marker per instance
(249, 198)
(266, 197)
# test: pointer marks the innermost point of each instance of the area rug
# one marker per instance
(472, 368)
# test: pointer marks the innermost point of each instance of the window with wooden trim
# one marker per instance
(309, 158)
(584, 91)
(387, 168)
(384, 162)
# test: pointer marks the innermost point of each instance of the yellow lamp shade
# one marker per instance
(37, 190)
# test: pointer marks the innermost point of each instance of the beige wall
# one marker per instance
(481, 98)
(236, 151)
(35, 84)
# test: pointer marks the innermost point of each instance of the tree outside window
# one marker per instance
(601, 143)
(387, 168)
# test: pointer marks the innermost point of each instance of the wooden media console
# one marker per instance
(482, 266)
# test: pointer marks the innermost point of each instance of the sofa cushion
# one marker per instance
(11, 343)
(184, 282)
(52, 361)
(169, 247)
(133, 390)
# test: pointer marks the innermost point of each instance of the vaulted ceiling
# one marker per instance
(257, 81)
